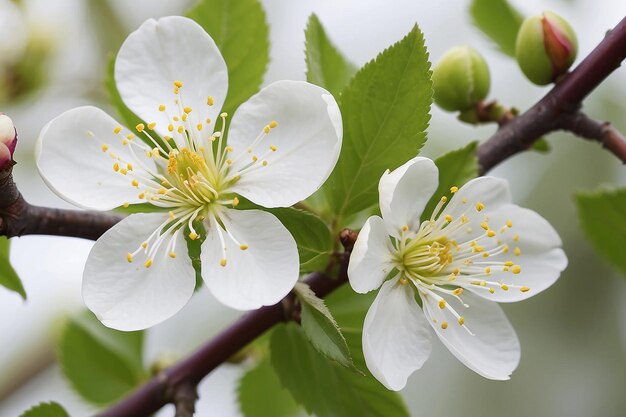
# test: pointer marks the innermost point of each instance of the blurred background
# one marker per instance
(573, 335)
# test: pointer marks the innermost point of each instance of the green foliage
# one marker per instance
(240, 31)
(101, 364)
(603, 217)
(499, 21)
(385, 111)
(320, 327)
(326, 66)
(8, 276)
(541, 145)
(455, 169)
(261, 395)
(315, 244)
(324, 387)
(51, 409)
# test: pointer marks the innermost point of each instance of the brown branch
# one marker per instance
(18, 218)
(563, 101)
(602, 132)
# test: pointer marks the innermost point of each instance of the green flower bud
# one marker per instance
(460, 79)
(545, 48)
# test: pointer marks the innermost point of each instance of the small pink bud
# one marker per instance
(8, 140)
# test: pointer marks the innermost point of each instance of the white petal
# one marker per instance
(72, 162)
(405, 191)
(492, 351)
(540, 255)
(307, 140)
(161, 52)
(492, 192)
(371, 258)
(129, 296)
(396, 339)
(260, 275)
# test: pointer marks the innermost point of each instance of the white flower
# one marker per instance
(282, 145)
(475, 250)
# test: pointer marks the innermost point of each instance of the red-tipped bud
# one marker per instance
(8, 140)
(546, 47)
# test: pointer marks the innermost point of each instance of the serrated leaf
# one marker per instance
(240, 31)
(320, 327)
(8, 277)
(455, 169)
(315, 244)
(603, 217)
(324, 387)
(499, 21)
(50, 409)
(261, 395)
(326, 66)
(101, 364)
(385, 111)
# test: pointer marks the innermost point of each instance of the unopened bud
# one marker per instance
(545, 48)
(460, 79)
(8, 140)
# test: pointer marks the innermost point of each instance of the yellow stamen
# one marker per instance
(243, 247)
(129, 257)
(148, 263)
(140, 127)
(480, 206)
(444, 325)
(223, 262)
(454, 189)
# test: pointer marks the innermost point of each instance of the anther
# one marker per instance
(484, 225)
(492, 290)
(509, 224)
(454, 189)
(144, 245)
(178, 84)
(193, 236)
(129, 257)
(448, 218)
(135, 183)
(458, 291)
(199, 127)
(444, 325)
(117, 130)
(266, 129)
(524, 289)
(180, 129)
(140, 127)
(444, 199)
(235, 202)
(105, 147)
(461, 320)
(116, 167)
(273, 124)
(405, 228)
(516, 269)
(223, 262)
(148, 263)
(491, 233)
(273, 148)
(223, 115)
(187, 110)
(264, 163)
(170, 127)
(152, 125)
(210, 101)
(442, 304)
(243, 247)
(479, 206)
(184, 117)
(504, 287)
(161, 107)
(172, 255)
(517, 251)
(130, 136)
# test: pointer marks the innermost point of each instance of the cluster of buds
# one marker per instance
(546, 47)
(8, 140)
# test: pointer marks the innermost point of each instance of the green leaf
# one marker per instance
(315, 244)
(455, 169)
(541, 145)
(320, 327)
(194, 250)
(499, 21)
(50, 409)
(324, 387)
(240, 31)
(101, 364)
(8, 276)
(261, 395)
(385, 111)
(325, 65)
(603, 217)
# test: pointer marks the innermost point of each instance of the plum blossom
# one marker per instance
(448, 272)
(191, 171)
